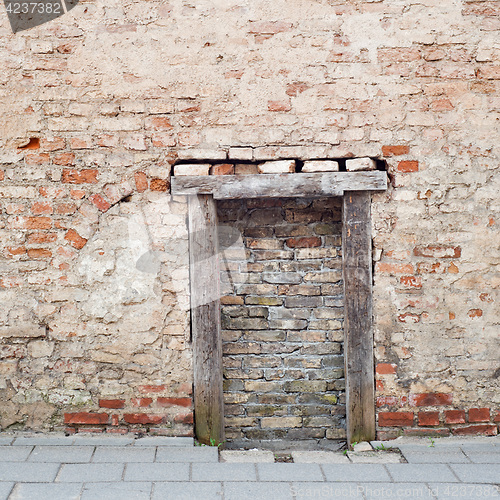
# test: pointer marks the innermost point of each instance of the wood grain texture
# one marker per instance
(280, 185)
(358, 316)
(205, 319)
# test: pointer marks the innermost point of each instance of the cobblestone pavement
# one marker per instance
(83, 467)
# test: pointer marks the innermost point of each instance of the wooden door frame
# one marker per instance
(355, 189)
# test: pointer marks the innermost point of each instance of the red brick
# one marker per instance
(496, 418)
(163, 140)
(80, 143)
(421, 431)
(158, 123)
(412, 282)
(304, 242)
(34, 143)
(399, 54)
(141, 181)
(386, 368)
(88, 176)
(2, 175)
(86, 418)
(223, 169)
(142, 418)
(389, 268)
(75, 239)
(98, 201)
(407, 166)
(65, 209)
(475, 313)
(107, 141)
(16, 250)
(111, 403)
(77, 194)
(52, 192)
(159, 185)
(39, 253)
(485, 429)
(430, 268)
(279, 106)
(409, 318)
(141, 402)
(37, 238)
(10, 282)
(294, 89)
(395, 419)
(438, 252)
(65, 159)
(186, 418)
(454, 417)
(36, 158)
(30, 223)
(151, 388)
(395, 150)
(387, 401)
(379, 385)
(268, 27)
(55, 144)
(428, 418)
(442, 105)
(479, 415)
(186, 402)
(115, 419)
(41, 208)
(431, 399)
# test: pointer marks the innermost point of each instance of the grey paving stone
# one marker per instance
(308, 491)
(117, 491)
(120, 454)
(43, 440)
(391, 490)
(444, 457)
(191, 454)
(420, 473)
(289, 472)
(83, 440)
(5, 440)
(430, 450)
(480, 448)
(164, 441)
(223, 472)
(248, 456)
(355, 472)
(28, 472)
(14, 453)
(52, 491)
(81, 473)
(374, 457)
(187, 491)
(476, 473)
(452, 491)
(253, 491)
(484, 458)
(61, 454)
(319, 457)
(5, 489)
(156, 472)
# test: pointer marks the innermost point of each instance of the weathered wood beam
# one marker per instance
(205, 319)
(279, 185)
(358, 317)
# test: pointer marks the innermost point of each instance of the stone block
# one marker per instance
(192, 169)
(277, 167)
(320, 166)
(360, 164)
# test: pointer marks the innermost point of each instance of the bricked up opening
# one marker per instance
(282, 320)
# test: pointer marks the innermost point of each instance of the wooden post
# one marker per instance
(205, 319)
(358, 318)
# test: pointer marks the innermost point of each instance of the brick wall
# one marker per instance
(282, 321)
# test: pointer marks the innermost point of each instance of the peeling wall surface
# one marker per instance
(97, 105)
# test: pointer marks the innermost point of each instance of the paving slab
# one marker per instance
(24, 472)
(319, 457)
(156, 472)
(254, 491)
(441, 457)
(249, 456)
(224, 472)
(14, 453)
(356, 472)
(391, 490)
(476, 473)
(326, 491)
(43, 440)
(480, 448)
(420, 473)
(374, 457)
(187, 491)
(5, 489)
(48, 491)
(83, 440)
(117, 454)
(81, 473)
(187, 454)
(117, 491)
(5, 441)
(452, 491)
(61, 454)
(289, 472)
(483, 457)
(164, 441)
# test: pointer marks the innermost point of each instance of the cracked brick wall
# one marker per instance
(282, 319)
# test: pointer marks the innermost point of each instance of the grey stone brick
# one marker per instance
(289, 472)
(62, 454)
(191, 454)
(115, 454)
(475, 473)
(420, 473)
(157, 472)
(187, 491)
(253, 491)
(80, 473)
(14, 453)
(28, 472)
(52, 491)
(356, 472)
(117, 491)
(224, 472)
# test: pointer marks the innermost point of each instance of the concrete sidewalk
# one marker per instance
(83, 467)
